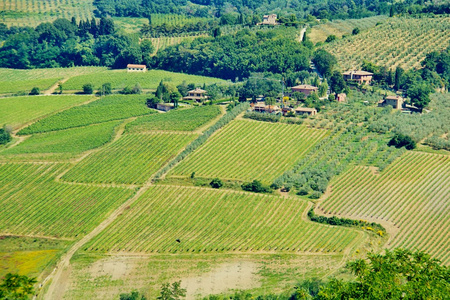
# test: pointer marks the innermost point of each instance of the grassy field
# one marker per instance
(32, 13)
(16, 81)
(73, 141)
(176, 120)
(216, 221)
(413, 194)
(114, 107)
(247, 150)
(339, 28)
(34, 204)
(401, 41)
(132, 159)
(148, 80)
(19, 110)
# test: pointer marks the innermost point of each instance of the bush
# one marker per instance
(106, 88)
(256, 187)
(355, 31)
(303, 192)
(35, 91)
(216, 183)
(315, 195)
(88, 88)
(401, 140)
(330, 38)
(5, 136)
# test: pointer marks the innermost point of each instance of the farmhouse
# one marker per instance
(165, 106)
(269, 20)
(395, 101)
(305, 89)
(358, 76)
(262, 107)
(341, 97)
(197, 95)
(136, 68)
(305, 111)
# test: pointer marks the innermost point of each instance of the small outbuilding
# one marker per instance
(196, 94)
(136, 68)
(305, 111)
(165, 106)
(395, 101)
(341, 97)
(358, 76)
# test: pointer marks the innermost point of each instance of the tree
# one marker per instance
(5, 135)
(255, 186)
(401, 140)
(298, 96)
(106, 26)
(337, 83)
(60, 87)
(323, 88)
(106, 88)
(398, 78)
(330, 38)
(355, 31)
(324, 61)
(172, 292)
(153, 102)
(137, 89)
(216, 183)
(392, 11)
(88, 88)
(134, 295)
(174, 98)
(35, 91)
(17, 287)
(419, 95)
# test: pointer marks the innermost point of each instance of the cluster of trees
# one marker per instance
(65, 43)
(400, 140)
(236, 56)
(344, 222)
(5, 135)
(256, 186)
(15, 286)
(165, 93)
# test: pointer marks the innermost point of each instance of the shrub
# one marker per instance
(106, 88)
(303, 192)
(88, 88)
(401, 140)
(216, 183)
(330, 38)
(355, 31)
(193, 175)
(5, 136)
(35, 91)
(255, 186)
(315, 195)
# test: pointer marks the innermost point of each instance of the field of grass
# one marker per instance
(247, 150)
(16, 81)
(402, 41)
(339, 28)
(413, 194)
(34, 12)
(132, 159)
(34, 204)
(73, 141)
(216, 221)
(176, 120)
(148, 80)
(114, 107)
(16, 111)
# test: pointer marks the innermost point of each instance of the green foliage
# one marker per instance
(172, 292)
(324, 61)
(266, 117)
(134, 295)
(256, 187)
(177, 120)
(35, 91)
(114, 107)
(17, 287)
(106, 88)
(400, 140)
(330, 38)
(88, 88)
(419, 95)
(355, 31)
(343, 221)
(5, 136)
(216, 183)
(337, 83)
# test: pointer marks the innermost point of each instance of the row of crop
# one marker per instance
(34, 204)
(228, 117)
(130, 160)
(174, 219)
(247, 150)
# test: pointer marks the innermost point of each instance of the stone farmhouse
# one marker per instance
(197, 95)
(358, 76)
(269, 20)
(136, 68)
(305, 111)
(305, 89)
(395, 101)
(262, 107)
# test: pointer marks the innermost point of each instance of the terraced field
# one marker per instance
(161, 43)
(33, 204)
(205, 220)
(130, 160)
(396, 42)
(413, 194)
(247, 150)
(19, 110)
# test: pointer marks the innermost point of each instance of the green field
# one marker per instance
(148, 80)
(242, 222)
(176, 120)
(33, 204)
(19, 110)
(412, 195)
(132, 159)
(114, 107)
(400, 41)
(248, 150)
(15, 81)
(73, 141)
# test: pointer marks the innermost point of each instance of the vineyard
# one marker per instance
(161, 43)
(148, 80)
(339, 28)
(130, 160)
(34, 12)
(175, 120)
(19, 110)
(412, 194)
(34, 204)
(108, 108)
(73, 141)
(247, 150)
(216, 221)
(396, 42)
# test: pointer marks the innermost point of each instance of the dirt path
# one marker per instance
(53, 88)
(302, 33)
